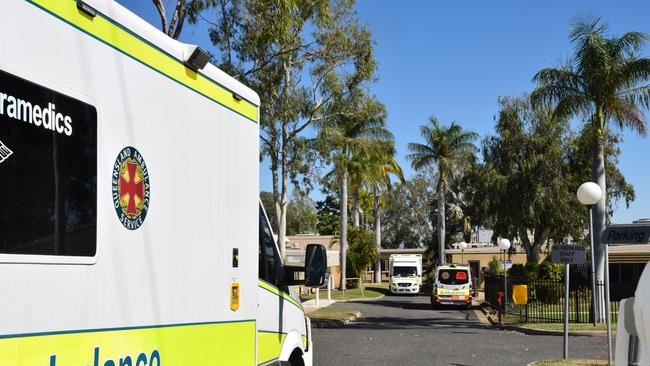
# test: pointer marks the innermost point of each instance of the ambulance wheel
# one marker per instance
(296, 359)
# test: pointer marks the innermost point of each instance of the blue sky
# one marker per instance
(453, 59)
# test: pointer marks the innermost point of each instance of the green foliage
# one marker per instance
(550, 271)
(301, 214)
(521, 184)
(408, 211)
(302, 57)
(182, 10)
(495, 266)
(267, 202)
(581, 150)
(448, 148)
(605, 81)
(328, 216)
(529, 174)
(517, 271)
(549, 292)
(362, 251)
(532, 269)
(523, 272)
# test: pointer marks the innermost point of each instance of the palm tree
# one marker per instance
(603, 82)
(345, 135)
(447, 147)
(383, 166)
(359, 170)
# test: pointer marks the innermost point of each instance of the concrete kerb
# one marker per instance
(363, 299)
(531, 331)
(337, 322)
(334, 323)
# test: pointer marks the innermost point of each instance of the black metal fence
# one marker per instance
(546, 298)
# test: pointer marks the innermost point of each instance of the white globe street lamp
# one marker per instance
(589, 194)
(462, 245)
(504, 245)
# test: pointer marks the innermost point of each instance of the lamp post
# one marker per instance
(504, 244)
(462, 245)
(589, 194)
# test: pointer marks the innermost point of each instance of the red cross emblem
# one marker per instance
(130, 188)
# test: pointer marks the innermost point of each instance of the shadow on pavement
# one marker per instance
(391, 303)
(413, 323)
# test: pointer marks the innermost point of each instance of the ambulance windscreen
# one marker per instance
(405, 271)
(453, 276)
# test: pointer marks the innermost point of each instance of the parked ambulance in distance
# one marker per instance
(405, 273)
(130, 226)
(452, 285)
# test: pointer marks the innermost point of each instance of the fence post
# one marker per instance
(576, 298)
(329, 288)
(526, 312)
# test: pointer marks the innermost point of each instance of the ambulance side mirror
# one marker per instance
(315, 265)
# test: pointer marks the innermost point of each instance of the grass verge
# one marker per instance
(332, 313)
(575, 327)
(369, 292)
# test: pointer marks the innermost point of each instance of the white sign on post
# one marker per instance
(569, 254)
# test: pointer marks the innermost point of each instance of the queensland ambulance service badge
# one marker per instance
(131, 190)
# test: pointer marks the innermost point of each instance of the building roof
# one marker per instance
(301, 241)
(485, 250)
(629, 253)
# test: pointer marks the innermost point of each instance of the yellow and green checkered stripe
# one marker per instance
(214, 343)
(274, 290)
(113, 34)
(269, 346)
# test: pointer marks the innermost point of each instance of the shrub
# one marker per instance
(550, 271)
(362, 251)
(495, 266)
(549, 292)
(521, 273)
(517, 274)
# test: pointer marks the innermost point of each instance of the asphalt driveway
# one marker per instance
(402, 330)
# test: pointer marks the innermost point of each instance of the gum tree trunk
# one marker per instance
(441, 224)
(377, 220)
(344, 226)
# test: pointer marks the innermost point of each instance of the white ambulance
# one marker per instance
(130, 229)
(405, 272)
